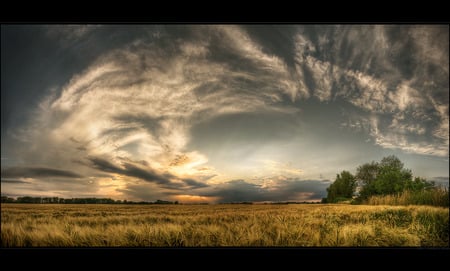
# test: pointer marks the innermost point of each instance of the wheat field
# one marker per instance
(223, 225)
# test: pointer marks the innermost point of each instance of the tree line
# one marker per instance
(57, 200)
(375, 179)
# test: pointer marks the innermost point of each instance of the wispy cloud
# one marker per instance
(173, 106)
(67, 35)
(142, 100)
(371, 70)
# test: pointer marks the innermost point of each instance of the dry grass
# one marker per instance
(434, 197)
(317, 225)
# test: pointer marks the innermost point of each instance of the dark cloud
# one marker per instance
(104, 165)
(275, 39)
(193, 184)
(129, 170)
(145, 191)
(285, 190)
(13, 181)
(148, 175)
(165, 180)
(235, 191)
(36, 172)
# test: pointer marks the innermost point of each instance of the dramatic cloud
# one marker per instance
(271, 190)
(182, 112)
(27, 172)
(371, 68)
(13, 181)
(166, 180)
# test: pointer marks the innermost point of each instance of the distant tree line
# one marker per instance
(376, 179)
(293, 202)
(57, 200)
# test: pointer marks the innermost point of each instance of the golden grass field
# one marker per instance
(236, 225)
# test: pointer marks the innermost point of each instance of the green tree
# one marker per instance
(388, 177)
(343, 187)
(392, 177)
(376, 178)
(419, 184)
(366, 176)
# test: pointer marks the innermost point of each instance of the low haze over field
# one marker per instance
(218, 113)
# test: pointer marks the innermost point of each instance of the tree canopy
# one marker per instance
(376, 178)
(343, 187)
(386, 177)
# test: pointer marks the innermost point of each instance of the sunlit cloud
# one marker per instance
(277, 168)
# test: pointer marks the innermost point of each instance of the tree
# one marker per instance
(366, 175)
(343, 187)
(6, 199)
(392, 177)
(419, 184)
(376, 178)
(388, 177)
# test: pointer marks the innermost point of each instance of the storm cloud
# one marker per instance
(217, 110)
(279, 190)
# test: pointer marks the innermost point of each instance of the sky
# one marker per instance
(218, 113)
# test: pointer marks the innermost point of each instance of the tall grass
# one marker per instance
(330, 225)
(434, 197)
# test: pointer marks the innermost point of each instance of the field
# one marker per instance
(236, 225)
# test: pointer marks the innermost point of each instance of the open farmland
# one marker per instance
(222, 225)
